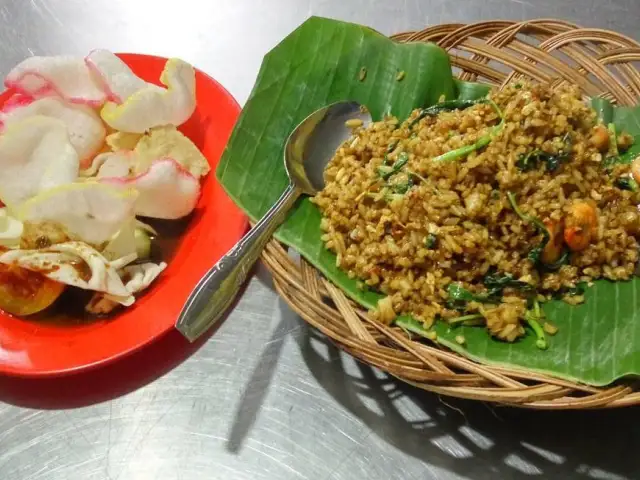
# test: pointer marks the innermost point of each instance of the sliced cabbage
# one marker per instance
(139, 278)
(141, 275)
(75, 264)
(35, 155)
(152, 106)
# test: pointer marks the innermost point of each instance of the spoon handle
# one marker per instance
(218, 288)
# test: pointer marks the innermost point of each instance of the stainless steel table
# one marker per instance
(265, 397)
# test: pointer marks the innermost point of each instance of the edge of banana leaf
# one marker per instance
(324, 260)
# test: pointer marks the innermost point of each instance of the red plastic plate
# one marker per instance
(31, 348)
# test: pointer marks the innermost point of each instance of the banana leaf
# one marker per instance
(326, 60)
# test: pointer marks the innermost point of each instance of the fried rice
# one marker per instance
(480, 213)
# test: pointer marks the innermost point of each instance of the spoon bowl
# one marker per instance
(308, 150)
(315, 140)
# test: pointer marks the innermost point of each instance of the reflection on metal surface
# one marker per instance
(265, 397)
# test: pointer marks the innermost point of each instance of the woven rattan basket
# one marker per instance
(601, 63)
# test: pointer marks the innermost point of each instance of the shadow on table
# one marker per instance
(258, 387)
(110, 381)
(264, 276)
(502, 442)
(103, 383)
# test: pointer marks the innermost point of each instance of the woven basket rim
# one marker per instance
(602, 66)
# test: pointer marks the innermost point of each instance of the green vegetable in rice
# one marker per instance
(536, 252)
(531, 160)
(446, 106)
(624, 159)
(402, 187)
(627, 183)
(416, 176)
(562, 260)
(495, 284)
(386, 171)
(431, 241)
(458, 297)
(478, 144)
(533, 317)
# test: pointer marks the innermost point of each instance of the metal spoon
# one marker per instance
(307, 152)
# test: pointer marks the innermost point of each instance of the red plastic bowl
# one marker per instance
(29, 348)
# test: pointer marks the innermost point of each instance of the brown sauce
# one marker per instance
(68, 309)
(170, 233)
(20, 282)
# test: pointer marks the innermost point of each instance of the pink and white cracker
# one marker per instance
(65, 76)
(166, 190)
(115, 77)
(153, 106)
(84, 126)
(35, 155)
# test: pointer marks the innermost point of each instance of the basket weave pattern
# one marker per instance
(601, 63)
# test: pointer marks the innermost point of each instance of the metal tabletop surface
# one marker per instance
(266, 397)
